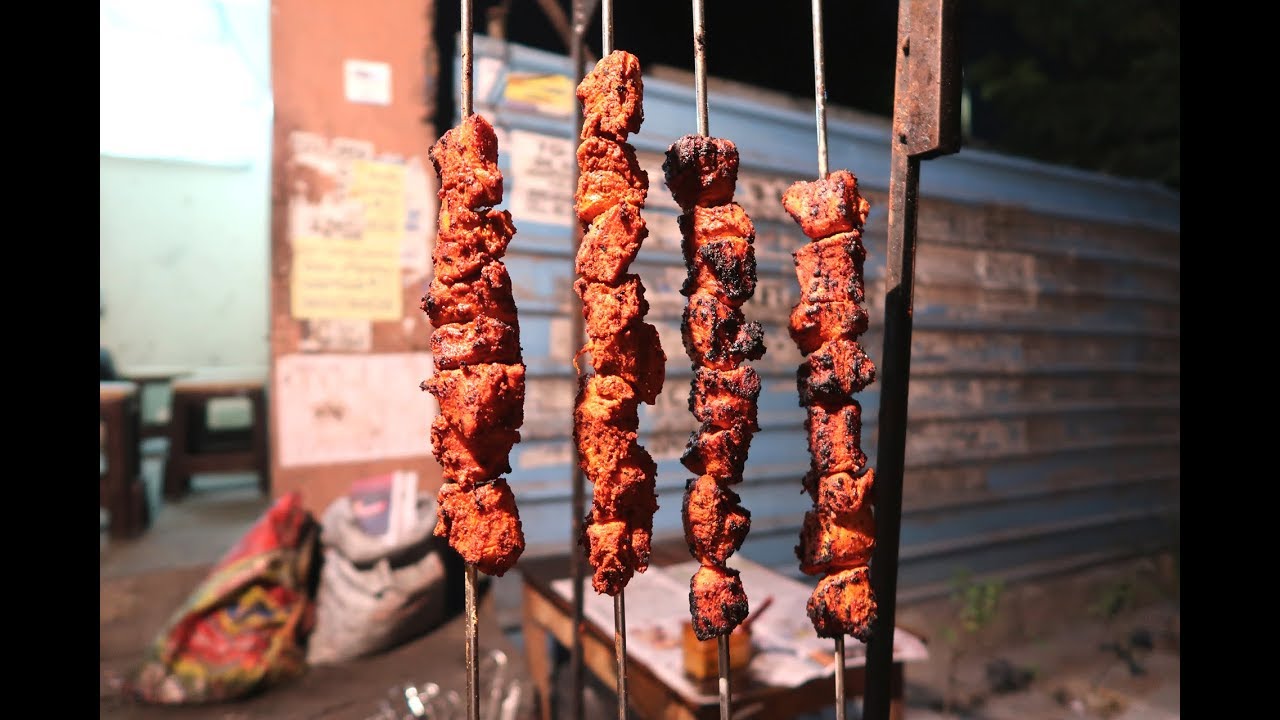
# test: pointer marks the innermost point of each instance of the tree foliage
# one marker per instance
(1088, 83)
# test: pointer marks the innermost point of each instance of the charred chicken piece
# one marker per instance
(483, 340)
(726, 267)
(841, 492)
(701, 170)
(715, 523)
(466, 160)
(836, 541)
(717, 601)
(717, 335)
(635, 355)
(468, 241)
(610, 309)
(700, 225)
(835, 438)
(812, 325)
(476, 398)
(611, 243)
(617, 550)
(488, 293)
(469, 461)
(482, 524)
(834, 371)
(600, 190)
(612, 97)
(603, 154)
(629, 488)
(718, 452)
(830, 270)
(842, 604)
(725, 398)
(827, 207)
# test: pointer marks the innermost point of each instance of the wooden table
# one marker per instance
(145, 377)
(546, 614)
(120, 488)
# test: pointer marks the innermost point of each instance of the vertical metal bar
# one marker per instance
(839, 678)
(473, 647)
(466, 57)
(577, 332)
(819, 89)
(620, 649)
(725, 698)
(925, 125)
(606, 27)
(700, 65)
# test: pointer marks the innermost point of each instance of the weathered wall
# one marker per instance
(348, 177)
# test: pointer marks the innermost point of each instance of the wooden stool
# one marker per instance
(120, 488)
(195, 448)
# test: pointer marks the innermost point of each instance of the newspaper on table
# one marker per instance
(787, 651)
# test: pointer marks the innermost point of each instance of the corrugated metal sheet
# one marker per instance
(1044, 415)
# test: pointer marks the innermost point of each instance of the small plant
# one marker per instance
(976, 605)
(1114, 600)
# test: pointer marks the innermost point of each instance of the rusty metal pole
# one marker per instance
(926, 124)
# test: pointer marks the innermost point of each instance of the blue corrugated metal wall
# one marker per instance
(1044, 413)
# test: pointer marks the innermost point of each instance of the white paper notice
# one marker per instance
(367, 82)
(541, 174)
(348, 408)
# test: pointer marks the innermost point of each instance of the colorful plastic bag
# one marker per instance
(245, 626)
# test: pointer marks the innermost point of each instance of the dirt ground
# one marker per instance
(1101, 644)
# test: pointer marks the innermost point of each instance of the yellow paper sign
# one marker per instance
(551, 94)
(346, 278)
(379, 188)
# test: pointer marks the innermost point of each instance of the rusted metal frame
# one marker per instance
(926, 124)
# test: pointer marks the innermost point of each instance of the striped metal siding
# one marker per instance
(1044, 409)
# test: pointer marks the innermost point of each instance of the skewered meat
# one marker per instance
(701, 170)
(482, 524)
(479, 378)
(611, 243)
(828, 206)
(625, 351)
(612, 97)
(715, 523)
(717, 237)
(488, 294)
(725, 398)
(717, 601)
(838, 536)
(843, 604)
(476, 398)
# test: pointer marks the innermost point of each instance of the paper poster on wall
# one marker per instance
(352, 408)
(547, 93)
(347, 279)
(367, 82)
(335, 335)
(349, 214)
(542, 170)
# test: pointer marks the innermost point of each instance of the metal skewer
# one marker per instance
(473, 645)
(577, 331)
(700, 98)
(820, 113)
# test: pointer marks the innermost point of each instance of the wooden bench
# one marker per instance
(194, 447)
(120, 487)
